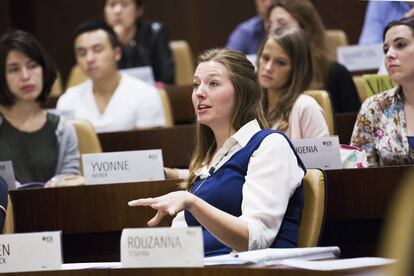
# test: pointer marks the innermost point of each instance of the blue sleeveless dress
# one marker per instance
(223, 190)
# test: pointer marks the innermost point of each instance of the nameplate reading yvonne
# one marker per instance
(358, 58)
(7, 173)
(322, 153)
(162, 247)
(122, 167)
(30, 252)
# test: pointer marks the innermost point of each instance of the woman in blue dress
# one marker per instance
(244, 187)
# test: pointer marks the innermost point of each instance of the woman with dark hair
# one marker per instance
(145, 43)
(384, 128)
(327, 74)
(285, 71)
(244, 180)
(39, 144)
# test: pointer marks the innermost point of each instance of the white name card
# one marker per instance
(162, 247)
(122, 167)
(7, 173)
(322, 153)
(359, 58)
(30, 252)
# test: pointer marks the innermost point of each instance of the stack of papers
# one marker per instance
(338, 264)
(273, 256)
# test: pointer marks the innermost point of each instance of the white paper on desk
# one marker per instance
(337, 264)
(272, 256)
(77, 266)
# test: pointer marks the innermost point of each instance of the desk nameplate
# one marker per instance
(162, 247)
(30, 252)
(122, 167)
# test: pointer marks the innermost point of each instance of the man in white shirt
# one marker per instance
(111, 101)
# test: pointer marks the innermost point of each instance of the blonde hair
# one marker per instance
(247, 105)
(294, 43)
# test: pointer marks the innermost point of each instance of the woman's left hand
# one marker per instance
(169, 204)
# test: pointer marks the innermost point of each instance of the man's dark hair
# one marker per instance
(139, 3)
(94, 25)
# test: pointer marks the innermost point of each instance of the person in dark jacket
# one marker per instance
(145, 43)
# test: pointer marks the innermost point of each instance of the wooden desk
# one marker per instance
(210, 271)
(91, 217)
(357, 203)
(177, 143)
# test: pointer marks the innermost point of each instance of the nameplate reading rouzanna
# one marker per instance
(322, 153)
(30, 252)
(122, 167)
(7, 173)
(162, 247)
(359, 58)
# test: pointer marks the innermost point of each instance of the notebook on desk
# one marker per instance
(273, 256)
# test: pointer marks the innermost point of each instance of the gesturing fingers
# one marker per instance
(169, 204)
(156, 219)
(141, 202)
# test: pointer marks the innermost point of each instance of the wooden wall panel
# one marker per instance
(347, 15)
(203, 23)
(5, 18)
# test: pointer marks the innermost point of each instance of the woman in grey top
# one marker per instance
(40, 145)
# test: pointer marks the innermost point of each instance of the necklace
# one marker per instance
(210, 172)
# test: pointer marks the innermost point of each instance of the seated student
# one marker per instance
(3, 202)
(384, 128)
(144, 43)
(328, 74)
(39, 144)
(249, 34)
(243, 180)
(284, 72)
(109, 100)
(378, 14)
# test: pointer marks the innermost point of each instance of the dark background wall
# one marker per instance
(203, 23)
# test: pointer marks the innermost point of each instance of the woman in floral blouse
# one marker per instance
(385, 124)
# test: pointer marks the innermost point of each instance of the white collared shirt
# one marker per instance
(273, 174)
